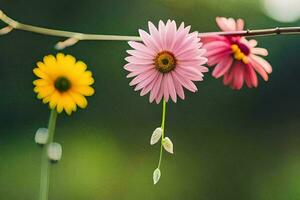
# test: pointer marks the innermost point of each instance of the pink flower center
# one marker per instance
(240, 52)
(165, 61)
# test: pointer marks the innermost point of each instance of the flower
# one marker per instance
(236, 58)
(167, 60)
(63, 82)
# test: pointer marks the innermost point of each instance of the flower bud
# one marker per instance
(156, 176)
(41, 136)
(54, 152)
(156, 135)
(168, 145)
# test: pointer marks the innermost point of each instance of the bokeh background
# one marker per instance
(235, 145)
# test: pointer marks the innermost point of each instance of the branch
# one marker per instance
(260, 32)
(46, 31)
(74, 37)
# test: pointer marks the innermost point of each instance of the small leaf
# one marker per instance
(156, 175)
(156, 135)
(41, 136)
(54, 152)
(168, 145)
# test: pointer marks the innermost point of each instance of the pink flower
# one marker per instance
(236, 58)
(168, 60)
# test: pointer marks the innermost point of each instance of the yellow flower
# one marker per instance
(63, 82)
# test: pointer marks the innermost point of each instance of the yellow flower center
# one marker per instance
(238, 54)
(62, 84)
(165, 61)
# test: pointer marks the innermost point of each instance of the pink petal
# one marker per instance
(259, 51)
(192, 63)
(159, 95)
(181, 34)
(218, 51)
(190, 73)
(148, 87)
(142, 77)
(190, 54)
(146, 81)
(227, 78)
(222, 67)
(170, 34)
(139, 70)
(148, 40)
(162, 33)
(262, 62)
(207, 39)
(231, 24)
(188, 84)
(217, 44)
(164, 87)
(188, 49)
(187, 43)
(171, 87)
(132, 67)
(139, 61)
(250, 76)
(178, 87)
(252, 43)
(141, 47)
(226, 24)
(156, 87)
(139, 54)
(212, 60)
(239, 24)
(259, 70)
(203, 69)
(238, 76)
(155, 34)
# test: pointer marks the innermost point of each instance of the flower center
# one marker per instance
(62, 84)
(165, 61)
(240, 52)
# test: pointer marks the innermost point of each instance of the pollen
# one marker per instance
(238, 54)
(165, 62)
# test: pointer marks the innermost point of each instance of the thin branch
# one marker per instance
(260, 32)
(82, 36)
(46, 31)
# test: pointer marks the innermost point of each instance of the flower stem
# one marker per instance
(163, 131)
(13, 24)
(45, 166)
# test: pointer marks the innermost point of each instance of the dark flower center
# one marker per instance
(165, 62)
(244, 48)
(240, 51)
(62, 84)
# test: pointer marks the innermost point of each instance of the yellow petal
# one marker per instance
(80, 66)
(41, 82)
(84, 90)
(54, 99)
(49, 61)
(79, 99)
(39, 73)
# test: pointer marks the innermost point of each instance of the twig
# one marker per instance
(76, 36)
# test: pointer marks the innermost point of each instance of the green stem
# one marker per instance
(45, 166)
(163, 131)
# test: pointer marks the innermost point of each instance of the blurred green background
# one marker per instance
(235, 145)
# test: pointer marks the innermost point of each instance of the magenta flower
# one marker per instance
(168, 60)
(236, 58)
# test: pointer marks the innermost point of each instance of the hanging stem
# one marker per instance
(52, 32)
(163, 131)
(45, 166)
(82, 36)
